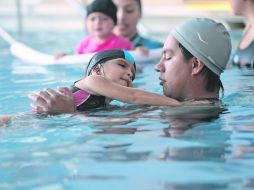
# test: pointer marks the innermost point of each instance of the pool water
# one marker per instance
(122, 146)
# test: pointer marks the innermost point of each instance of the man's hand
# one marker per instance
(53, 102)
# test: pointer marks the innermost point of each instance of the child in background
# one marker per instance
(100, 21)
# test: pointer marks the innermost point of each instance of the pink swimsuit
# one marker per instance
(85, 101)
(89, 44)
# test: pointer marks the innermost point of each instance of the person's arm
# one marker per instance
(5, 120)
(99, 85)
(52, 102)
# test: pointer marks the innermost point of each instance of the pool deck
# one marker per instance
(59, 14)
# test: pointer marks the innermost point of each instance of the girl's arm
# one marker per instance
(99, 85)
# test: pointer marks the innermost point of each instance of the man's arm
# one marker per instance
(53, 102)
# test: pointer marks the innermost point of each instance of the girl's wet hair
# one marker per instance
(106, 55)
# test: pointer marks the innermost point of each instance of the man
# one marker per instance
(194, 55)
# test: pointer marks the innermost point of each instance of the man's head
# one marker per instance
(194, 55)
(207, 40)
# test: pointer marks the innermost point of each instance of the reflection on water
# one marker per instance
(186, 117)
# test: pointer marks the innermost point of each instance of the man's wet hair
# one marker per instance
(213, 81)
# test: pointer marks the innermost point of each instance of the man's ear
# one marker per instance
(97, 70)
(196, 65)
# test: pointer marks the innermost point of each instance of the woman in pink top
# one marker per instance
(101, 19)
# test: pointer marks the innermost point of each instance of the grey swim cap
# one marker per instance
(207, 40)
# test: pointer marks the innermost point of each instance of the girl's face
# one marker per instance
(128, 15)
(119, 71)
(99, 25)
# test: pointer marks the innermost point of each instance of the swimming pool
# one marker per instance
(128, 147)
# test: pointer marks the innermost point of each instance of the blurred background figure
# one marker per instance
(244, 53)
(129, 13)
(100, 21)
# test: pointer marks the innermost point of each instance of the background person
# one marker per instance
(129, 13)
(244, 54)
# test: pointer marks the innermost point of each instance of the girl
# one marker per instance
(101, 19)
(105, 70)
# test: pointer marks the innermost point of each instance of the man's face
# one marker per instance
(175, 70)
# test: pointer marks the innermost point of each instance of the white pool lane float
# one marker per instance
(30, 55)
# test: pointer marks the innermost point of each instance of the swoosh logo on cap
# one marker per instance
(199, 36)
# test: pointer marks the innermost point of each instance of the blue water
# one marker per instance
(125, 146)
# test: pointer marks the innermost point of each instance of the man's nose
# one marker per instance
(159, 66)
